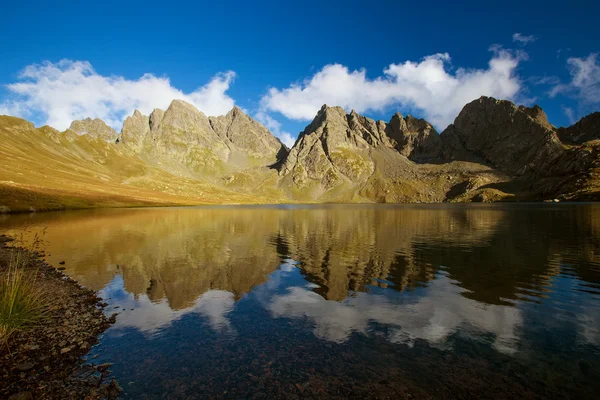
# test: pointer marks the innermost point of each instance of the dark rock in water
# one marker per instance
(113, 389)
(103, 367)
(584, 366)
(88, 375)
(113, 318)
(62, 263)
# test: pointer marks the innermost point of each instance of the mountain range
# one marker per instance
(494, 151)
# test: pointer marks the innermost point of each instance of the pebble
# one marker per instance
(103, 367)
(26, 366)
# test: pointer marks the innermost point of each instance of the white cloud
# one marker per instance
(523, 39)
(570, 114)
(58, 93)
(275, 127)
(585, 80)
(428, 85)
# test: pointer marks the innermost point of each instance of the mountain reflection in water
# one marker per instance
(487, 282)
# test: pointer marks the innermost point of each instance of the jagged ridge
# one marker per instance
(493, 151)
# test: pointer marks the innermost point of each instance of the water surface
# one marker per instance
(439, 301)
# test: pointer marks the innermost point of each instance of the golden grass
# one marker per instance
(22, 303)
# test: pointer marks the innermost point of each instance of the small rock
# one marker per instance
(103, 367)
(26, 366)
(65, 350)
(62, 263)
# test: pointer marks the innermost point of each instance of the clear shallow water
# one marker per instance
(440, 301)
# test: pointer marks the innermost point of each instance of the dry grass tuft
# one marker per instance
(22, 300)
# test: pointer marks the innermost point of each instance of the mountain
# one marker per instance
(587, 129)
(493, 151)
(95, 128)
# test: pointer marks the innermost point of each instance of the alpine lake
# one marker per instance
(339, 301)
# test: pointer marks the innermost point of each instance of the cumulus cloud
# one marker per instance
(275, 127)
(585, 80)
(523, 39)
(429, 85)
(58, 93)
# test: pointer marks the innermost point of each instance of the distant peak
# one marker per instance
(180, 103)
(236, 111)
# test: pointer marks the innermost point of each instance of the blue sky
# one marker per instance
(280, 61)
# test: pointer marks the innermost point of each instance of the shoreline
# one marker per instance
(47, 360)
(511, 201)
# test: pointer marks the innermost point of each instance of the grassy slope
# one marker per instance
(44, 169)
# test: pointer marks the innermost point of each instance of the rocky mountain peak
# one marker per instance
(236, 111)
(134, 131)
(502, 135)
(586, 129)
(248, 136)
(537, 114)
(95, 128)
(156, 117)
(414, 138)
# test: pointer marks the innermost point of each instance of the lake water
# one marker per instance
(359, 301)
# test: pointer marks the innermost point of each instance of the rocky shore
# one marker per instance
(46, 361)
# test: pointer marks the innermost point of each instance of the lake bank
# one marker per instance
(46, 360)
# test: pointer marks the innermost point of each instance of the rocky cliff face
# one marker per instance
(414, 138)
(585, 130)
(520, 141)
(512, 139)
(248, 136)
(210, 145)
(95, 128)
(493, 150)
(333, 150)
(345, 150)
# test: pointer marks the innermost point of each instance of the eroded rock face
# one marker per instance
(513, 139)
(134, 132)
(211, 145)
(95, 128)
(586, 129)
(414, 138)
(248, 136)
(333, 149)
(537, 114)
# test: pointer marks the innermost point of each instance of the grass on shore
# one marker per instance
(22, 301)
